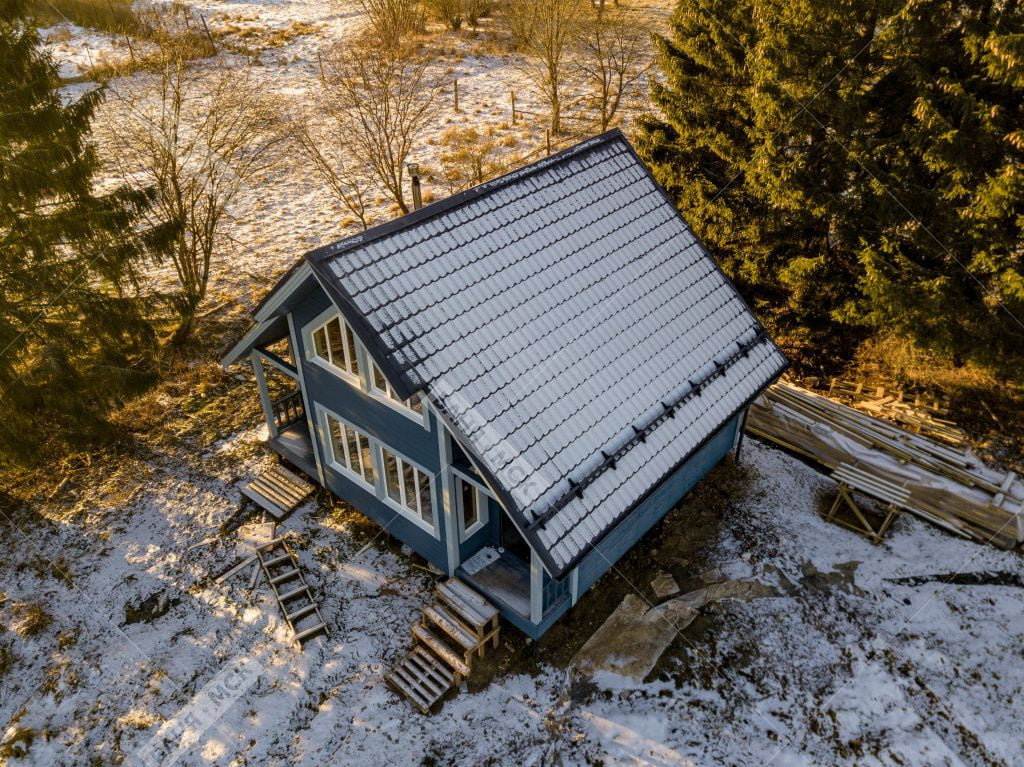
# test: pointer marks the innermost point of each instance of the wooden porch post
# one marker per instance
(536, 587)
(261, 382)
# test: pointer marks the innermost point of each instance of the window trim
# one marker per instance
(414, 517)
(316, 324)
(483, 516)
(363, 382)
(381, 395)
(322, 415)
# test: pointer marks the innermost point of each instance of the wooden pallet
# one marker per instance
(278, 491)
(455, 629)
(421, 678)
(294, 596)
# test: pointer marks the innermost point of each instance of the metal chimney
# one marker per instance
(414, 173)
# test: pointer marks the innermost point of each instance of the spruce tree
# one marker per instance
(856, 166)
(73, 333)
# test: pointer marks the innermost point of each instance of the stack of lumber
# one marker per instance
(918, 413)
(948, 485)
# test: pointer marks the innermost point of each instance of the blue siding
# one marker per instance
(407, 436)
(655, 506)
(488, 534)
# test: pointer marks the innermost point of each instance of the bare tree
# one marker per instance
(322, 140)
(545, 31)
(391, 20)
(381, 97)
(195, 138)
(611, 60)
(469, 158)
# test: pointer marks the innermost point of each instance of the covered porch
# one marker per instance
(522, 591)
(284, 409)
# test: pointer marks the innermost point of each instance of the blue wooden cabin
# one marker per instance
(518, 381)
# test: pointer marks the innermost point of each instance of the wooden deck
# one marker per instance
(294, 445)
(505, 582)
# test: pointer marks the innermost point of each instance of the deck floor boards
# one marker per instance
(506, 580)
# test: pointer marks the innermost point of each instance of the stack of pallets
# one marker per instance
(453, 630)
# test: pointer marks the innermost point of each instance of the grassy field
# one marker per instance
(115, 16)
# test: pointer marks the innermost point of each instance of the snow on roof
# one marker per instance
(570, 328)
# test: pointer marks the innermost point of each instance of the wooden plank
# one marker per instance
(452, 626)
(240, 566)
(443, 651)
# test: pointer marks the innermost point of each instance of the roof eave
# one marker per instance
(266, 310)
(581, 555)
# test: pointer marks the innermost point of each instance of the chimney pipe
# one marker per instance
(417, 198)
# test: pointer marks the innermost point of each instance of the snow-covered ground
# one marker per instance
(845, 666)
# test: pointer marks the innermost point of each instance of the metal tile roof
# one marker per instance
(568, 325)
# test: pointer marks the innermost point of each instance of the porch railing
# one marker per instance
(288, 409)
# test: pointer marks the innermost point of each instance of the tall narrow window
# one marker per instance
(470, 510)
(350, 450)
(472, 502)
(381, 386)
(408, 487)
(335, 344)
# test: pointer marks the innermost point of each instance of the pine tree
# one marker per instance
(73, 333)
(857, 166)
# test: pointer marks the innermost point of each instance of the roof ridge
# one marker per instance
(456, 201)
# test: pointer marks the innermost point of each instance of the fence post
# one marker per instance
(513, 94)
(208, 35)
(456, 95)
(547, 138)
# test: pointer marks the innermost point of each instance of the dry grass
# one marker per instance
(30, 619)
(7, 659)
(113, 16)
(989, 409)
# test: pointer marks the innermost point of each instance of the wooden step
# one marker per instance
(446, 653)
(294, 593)
(440, 672)
(409, 690)
(302, 636)
(472, 609)
(452, 626)
(421, 678)
(301, 612)
(284, 576)
(277, 490)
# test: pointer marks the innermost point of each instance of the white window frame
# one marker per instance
(342, 467)
(483, 495)
(432, 526)
(388, 397)
(307, 337)
(364, 380)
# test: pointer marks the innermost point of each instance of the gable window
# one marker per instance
(335, 344)
(408, 488)
(472, 500)
(350, 450)
(379, 385)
